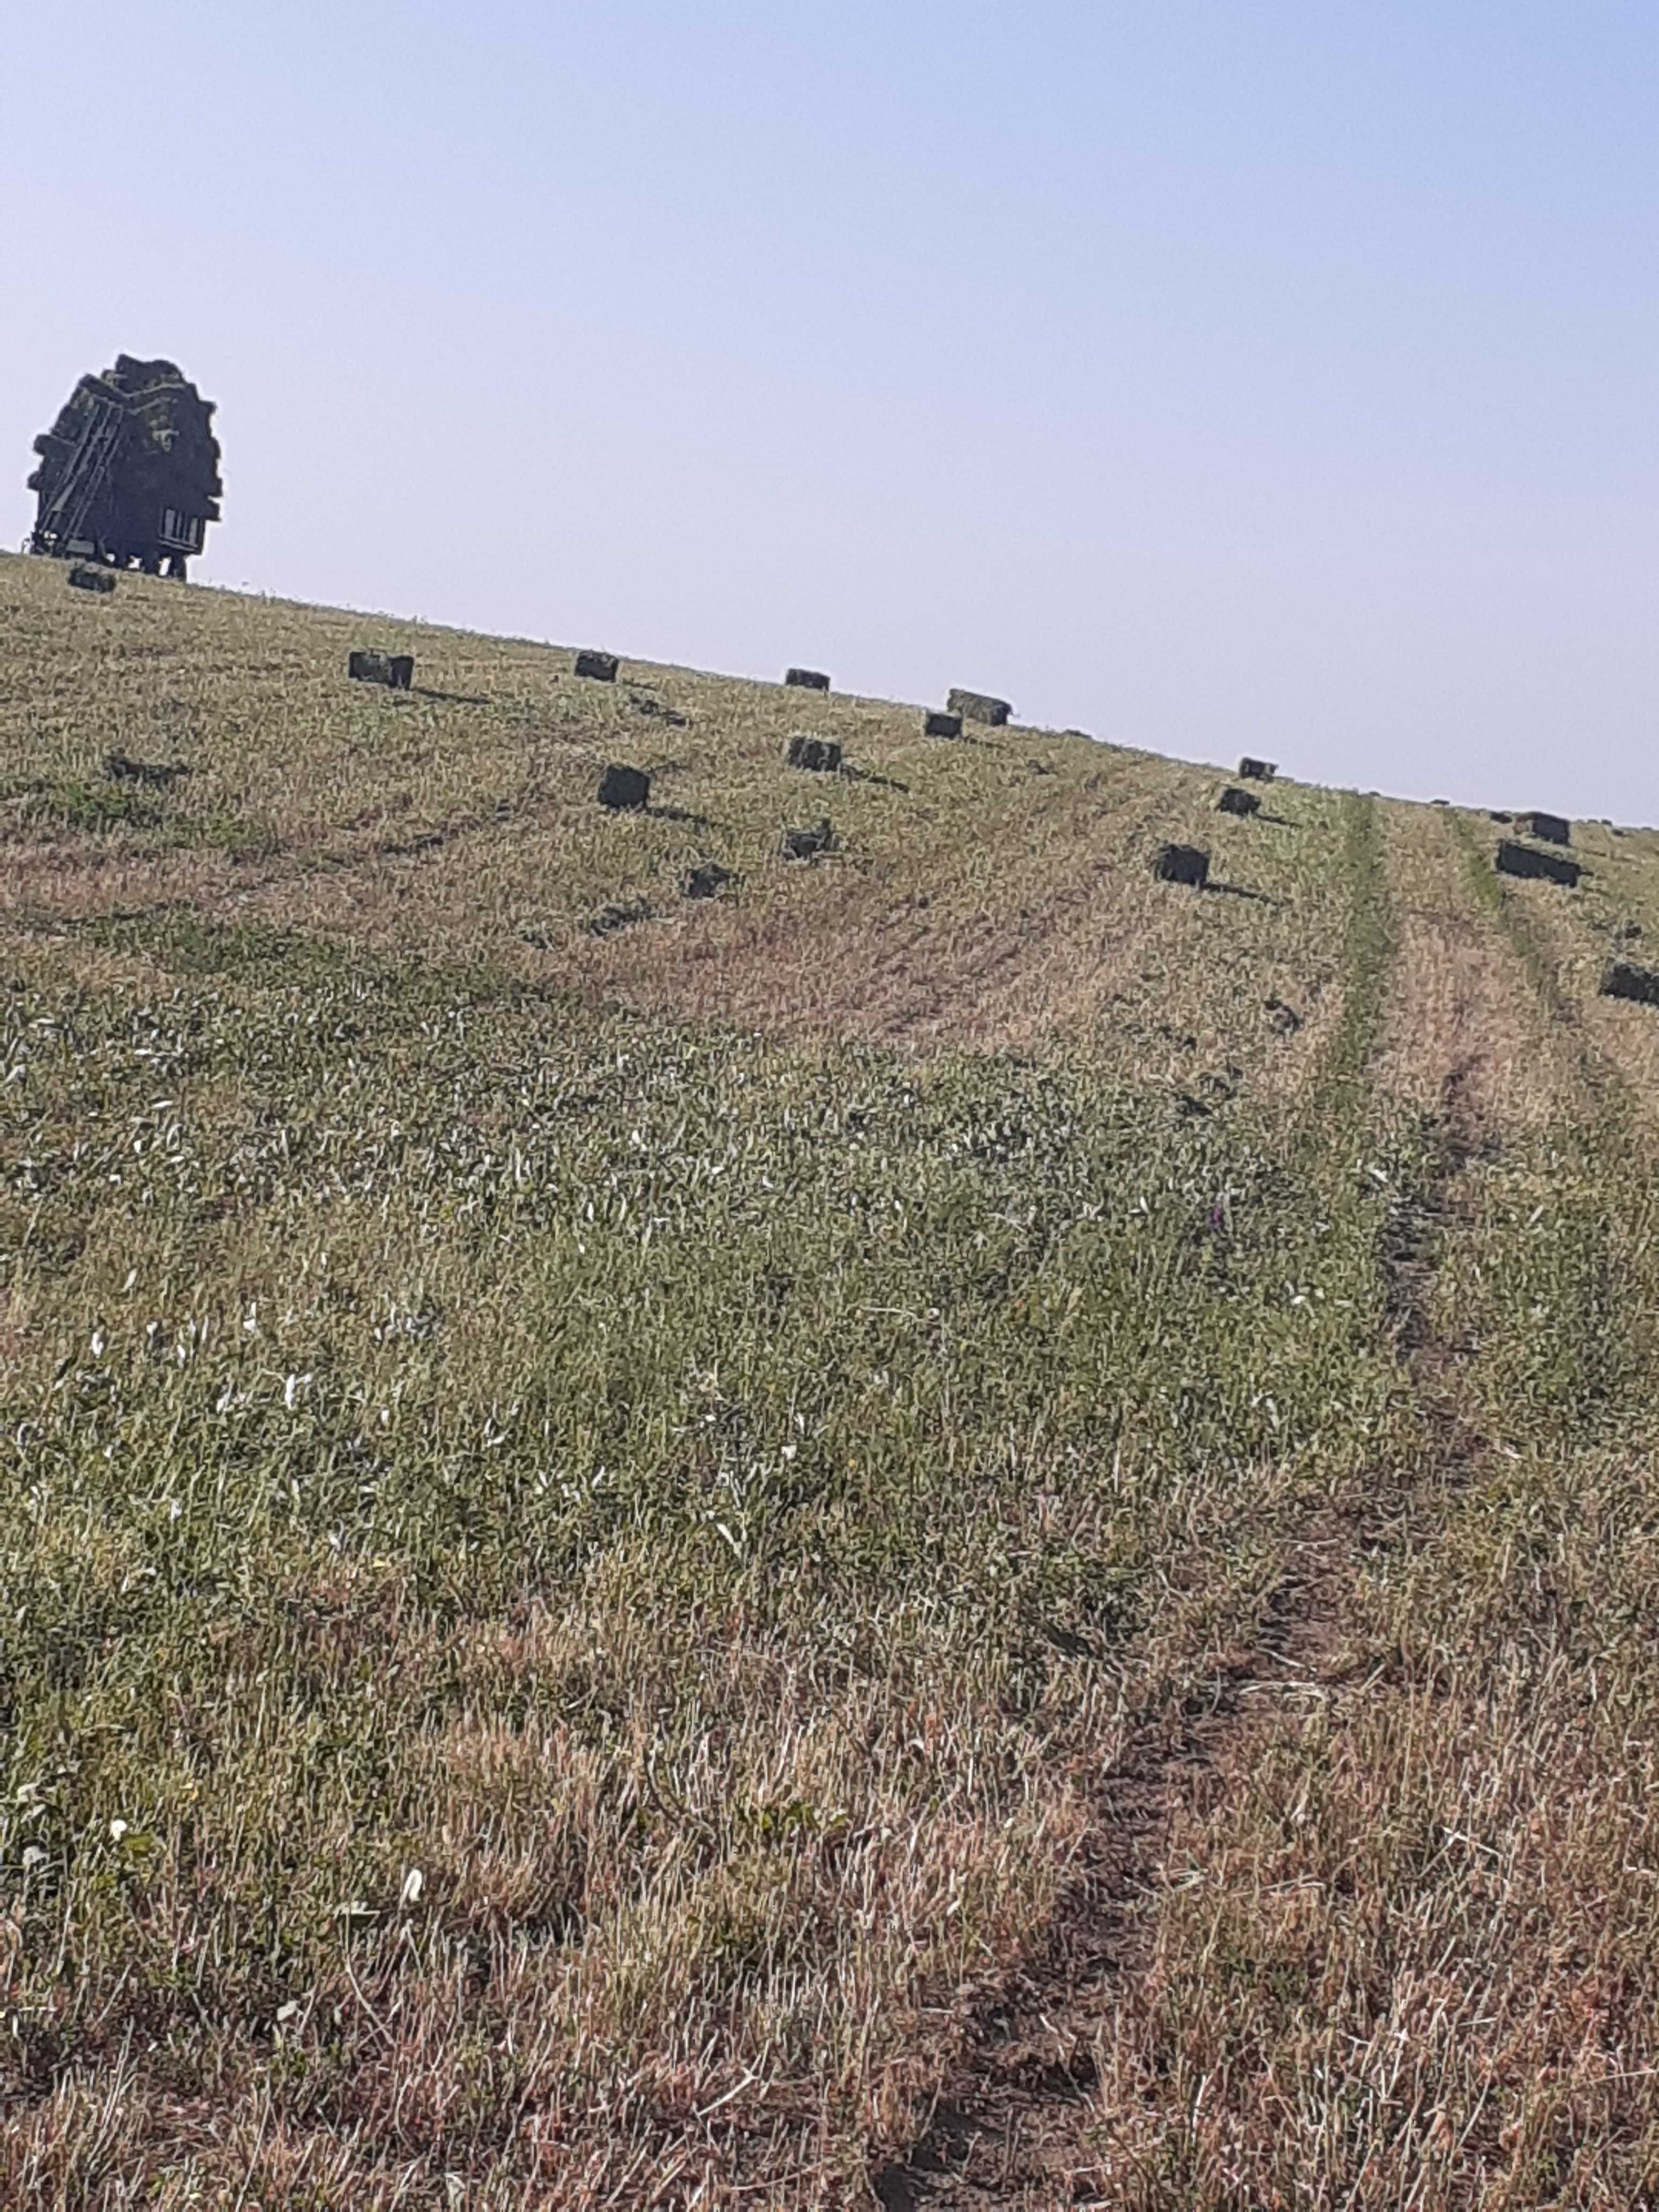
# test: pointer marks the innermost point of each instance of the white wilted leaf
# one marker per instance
(414, 1883)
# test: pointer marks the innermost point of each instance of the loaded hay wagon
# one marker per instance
(130, 471)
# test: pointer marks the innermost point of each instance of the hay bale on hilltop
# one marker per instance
(806, 679)
(820, 755)
(598, 667)
(1526, 862)
(624, 790)
(1183, 864)
(1258, 771)
(979, 707)
(937, 723)
(1235, 801)
(1553, 828)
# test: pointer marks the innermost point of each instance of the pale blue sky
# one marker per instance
(1239, 376)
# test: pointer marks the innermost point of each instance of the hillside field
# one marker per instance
(952, 1529)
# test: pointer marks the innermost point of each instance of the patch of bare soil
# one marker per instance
(915, 968)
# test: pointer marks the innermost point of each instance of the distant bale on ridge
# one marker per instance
(806, 679)
(821, 755)
(1624, 982)
(937, 723)
(807, 844)
(979, 707)
(1183, 864)
(707, 880)
(395, 669)
(1553, 827)
(598, 667)
(1258, 771)
(624, 790)
(1526, 860)
(1235, 801)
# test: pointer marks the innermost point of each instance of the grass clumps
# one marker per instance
(618, 1545)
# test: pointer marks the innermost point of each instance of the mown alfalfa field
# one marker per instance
(953, 1528)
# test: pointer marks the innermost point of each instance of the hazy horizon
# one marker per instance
(1215, 381)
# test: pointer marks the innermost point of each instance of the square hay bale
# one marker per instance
(936, 723)
(1624, 982)
(1552, 828)
(821, 755)
(1235, 801)
(806, 679)
(807, 844)
(1183, 864)
(1255, 771)
(92, 580)
(598, 667)
(624, 790)
(395, 670)
(1525, 861)
(979, 707)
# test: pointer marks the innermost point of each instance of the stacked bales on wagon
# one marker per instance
(130, 471)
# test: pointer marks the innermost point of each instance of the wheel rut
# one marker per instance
(1011, 2123)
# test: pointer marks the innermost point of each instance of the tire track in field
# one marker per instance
(1011, 2124)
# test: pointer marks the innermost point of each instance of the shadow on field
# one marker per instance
(451, 698)
(680, 814)
(1242, 891)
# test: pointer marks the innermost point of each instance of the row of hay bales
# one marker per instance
(626, 789)
(623, 788)
(1190, 864)
(397, 672)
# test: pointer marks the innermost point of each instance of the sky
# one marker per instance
(1218, 376)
